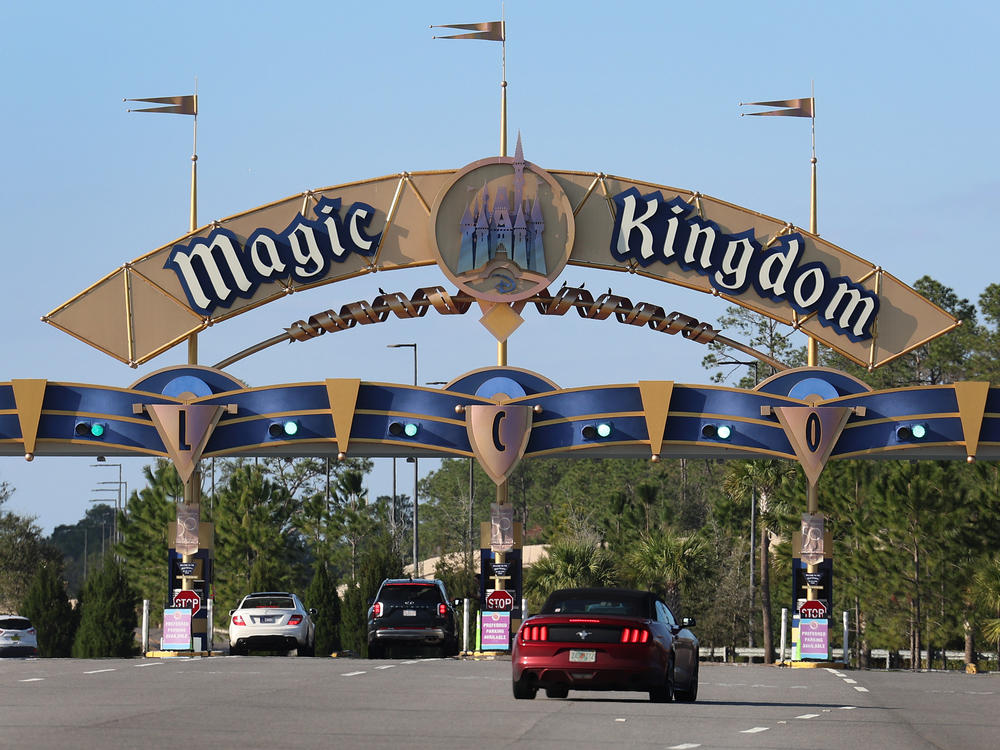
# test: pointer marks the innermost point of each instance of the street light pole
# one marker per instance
(416, 557)
(120, 501)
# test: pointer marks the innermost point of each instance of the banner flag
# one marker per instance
(179, 105)
(792, 108)
(491, 31)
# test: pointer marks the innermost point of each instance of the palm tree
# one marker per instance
(570, 563)
(756, 482)
(986, 584)
(663, 561)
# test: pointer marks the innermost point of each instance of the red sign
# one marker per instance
(812, 610)
(187, 599)
(499, 601)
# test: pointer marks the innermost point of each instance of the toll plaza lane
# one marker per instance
(268, 702)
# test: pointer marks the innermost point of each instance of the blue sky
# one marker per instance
(306, 96)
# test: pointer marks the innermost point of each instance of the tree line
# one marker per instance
(916, 544)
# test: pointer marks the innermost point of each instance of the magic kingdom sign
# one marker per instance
(501, 229)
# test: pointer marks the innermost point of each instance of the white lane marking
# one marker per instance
(352, 674)
(847, 708)
(149, 664)
(411, 661)
(807, 716)
(831, 670)
(32, 679)
(386, 666)
(621, 720)
(978, 692)
(861, 689)
(685, 746)
(98, 671)
(754, 730)
(849, 681)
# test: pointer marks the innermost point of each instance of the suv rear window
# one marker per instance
(15, 623)
(397, 593)
(276, 602)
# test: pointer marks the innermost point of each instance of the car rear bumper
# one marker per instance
(8, 650)
(607, 672)
(265, 639)
(408, 635)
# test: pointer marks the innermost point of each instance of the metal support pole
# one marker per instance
(145, 626)
(209, 603)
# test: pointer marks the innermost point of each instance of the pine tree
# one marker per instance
(322, 596)
(108, 615)
(49, 610)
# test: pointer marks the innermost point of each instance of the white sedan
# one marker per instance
(272, 621)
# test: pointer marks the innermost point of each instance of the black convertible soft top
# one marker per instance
(600, 601)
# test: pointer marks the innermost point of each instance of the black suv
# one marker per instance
(412, 612)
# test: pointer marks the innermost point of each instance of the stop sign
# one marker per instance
(185, 598)
(499, 600)
(812, 609)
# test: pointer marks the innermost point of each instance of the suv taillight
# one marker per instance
(534, 633)
(442, 609)
(238, 620)
(634, 635)
(295, 619)
(377, 609)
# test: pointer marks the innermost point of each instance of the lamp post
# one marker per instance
(416, 558)
(119, 500)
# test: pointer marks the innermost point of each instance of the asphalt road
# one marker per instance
(275, 702)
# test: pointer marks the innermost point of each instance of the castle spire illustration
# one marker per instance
(511, 227)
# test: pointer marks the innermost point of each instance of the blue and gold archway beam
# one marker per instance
(367, 419)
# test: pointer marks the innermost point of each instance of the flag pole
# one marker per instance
(503, 85)
(193, 219)
(182, 105)
(812, 349)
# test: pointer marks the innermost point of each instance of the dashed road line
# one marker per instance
(353, 674)
(849, 681)
(754, 730)
(685, 746)
(861, 689)
(807, 716)
(32, 679)
(98, 671)
(386, 666)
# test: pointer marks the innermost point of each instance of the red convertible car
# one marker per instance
(606, 639)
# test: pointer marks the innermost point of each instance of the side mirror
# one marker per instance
(231, 612)
(312, 611)
(456, 602)
(688, 622)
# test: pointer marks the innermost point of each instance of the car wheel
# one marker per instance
(307, 650)
(664, 693)
(557, 692)
(374, 651)
(690, 695)
(523, 691)
(236, 650)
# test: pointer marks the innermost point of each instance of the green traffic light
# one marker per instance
(603, 429)
(410, 429)
(290, 427)
(918, 431)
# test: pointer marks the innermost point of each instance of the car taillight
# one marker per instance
(377, 609)
(634, 635)
(442, 609)
(295, 619)
(534, 633)
(31, 631)
(238, 620)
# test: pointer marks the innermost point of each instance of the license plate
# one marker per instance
(409, 613)
(267, 619)
(582, 656)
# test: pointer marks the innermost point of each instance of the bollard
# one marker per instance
(211, 623)
(784, 632)
(465, 625)
(145, 626)
(846, 659)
